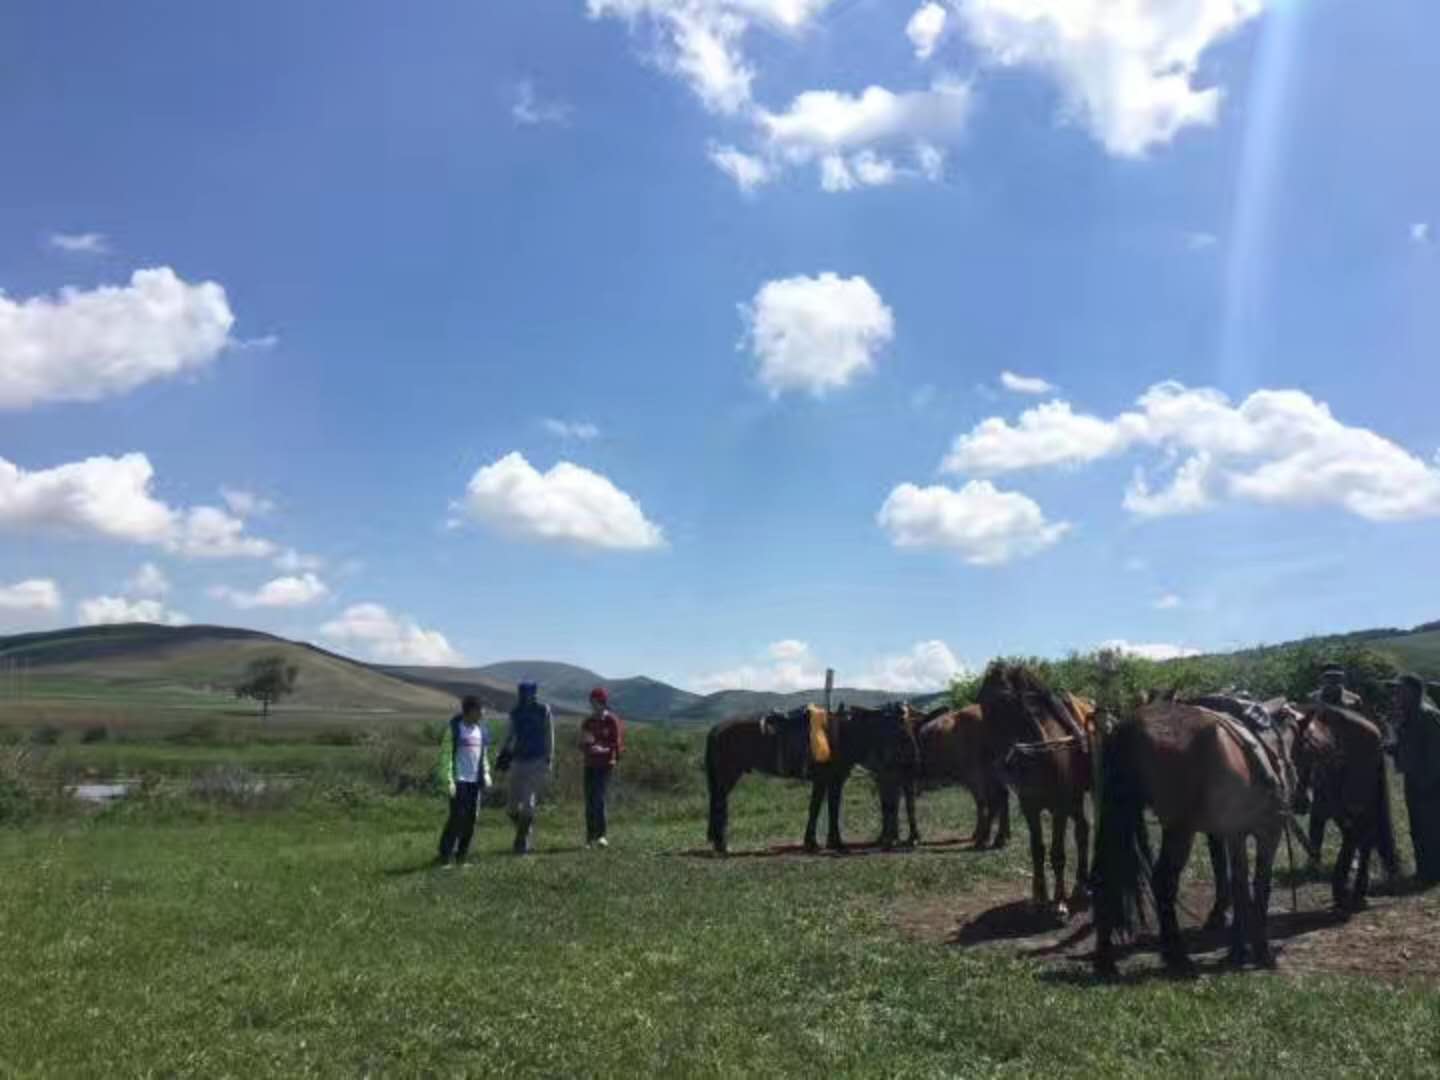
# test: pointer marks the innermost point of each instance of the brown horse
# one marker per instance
(1339, 755)
(952, 751)
(882, 740)
(1186, 763)
(1039, 739)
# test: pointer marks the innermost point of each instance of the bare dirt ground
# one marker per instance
(1397, 939)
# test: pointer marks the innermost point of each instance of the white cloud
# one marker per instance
(88, 344)
(89, 243)
(1420, 232)
(985, 525)
(571, 429)
(568, 504)
(816, 334)
(149, 580)
(789, 649)
(925, 29)
(854, 137)
(392, 639)
(1125, 68)
(929, 665)
(1277, 447)
(118, 609)
(748, 171)
(528, 110)
(246, 503)
(292, 561)
(1025, 384)
(111, 498)
(1167, 602)
(699, 41)
(34, 596)
(281, 592)
(1200, 241)
(1153, 651)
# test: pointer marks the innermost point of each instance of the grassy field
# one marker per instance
(179, 936)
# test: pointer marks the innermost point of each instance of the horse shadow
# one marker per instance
(860, 850)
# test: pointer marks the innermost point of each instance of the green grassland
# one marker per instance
(306, 935)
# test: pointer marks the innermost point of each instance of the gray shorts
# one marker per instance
(528, 780)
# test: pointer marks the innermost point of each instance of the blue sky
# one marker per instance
(761, 265)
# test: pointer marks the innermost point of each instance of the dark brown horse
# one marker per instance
(1339, 756)
(952, 751)
(896, 777)
(1039, 739)
(779, 744)
(1187, 764)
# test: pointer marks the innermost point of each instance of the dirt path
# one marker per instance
(1396, 940)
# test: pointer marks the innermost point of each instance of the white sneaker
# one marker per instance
(602, 842)
(589, 845)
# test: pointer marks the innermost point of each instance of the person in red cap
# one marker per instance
(602, 739)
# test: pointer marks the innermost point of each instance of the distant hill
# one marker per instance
(198, 662)
(724, 704)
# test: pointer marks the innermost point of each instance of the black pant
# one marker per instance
(460, 825)
(597, 782)
(1423, 803)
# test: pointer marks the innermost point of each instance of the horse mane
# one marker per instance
(1020, 683)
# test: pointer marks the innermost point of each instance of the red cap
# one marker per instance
(599, 694)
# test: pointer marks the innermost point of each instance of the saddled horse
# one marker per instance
(952, 751)
(896, 777)
(1197, 774)
(779, 744)
(1339, 756)
(1040, 739)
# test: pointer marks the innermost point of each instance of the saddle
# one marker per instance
(801, 739)
(1246, 720)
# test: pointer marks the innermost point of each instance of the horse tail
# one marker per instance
(1385, 825)
(719, 795)
(1121, 844)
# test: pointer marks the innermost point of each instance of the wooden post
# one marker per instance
(829, 688)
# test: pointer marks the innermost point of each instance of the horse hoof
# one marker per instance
(1061, 912)
(1235, 958)
(1106, 969)
(1080, 900)
(1000, 842)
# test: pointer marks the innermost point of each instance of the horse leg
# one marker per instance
(817, 793)
(889, 814)
(909, 791)
(720, 812)
(1361, 899)
(1240, 885)
(1059, 821)
(1220, 868)
(1265, 847)
(1174, 854)
(834, 796)
(1039, 893)
(1340, 876)
(1000, 792)
(983, 817)
(1080, 898)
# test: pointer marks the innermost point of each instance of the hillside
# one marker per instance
(196, 665)
(724, 704)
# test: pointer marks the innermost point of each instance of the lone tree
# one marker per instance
(267, 679)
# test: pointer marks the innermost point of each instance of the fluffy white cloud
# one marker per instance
(854, 138)
(816, 334)
(1167, 602)
(111, 498)
(246, 503)
(35, 596)
(747, 170)
(281, 592)
(87, 344)
(149, 580)
(89, 243)
(929, 665)
(985, 525)
(1152, 651)
(1125, 68)
(1025, 384)
(1276, 446)
(700, 40)
(571, 429)
(528, 110)
(393, 639)
(567, 503)
(119, 609)
(925, 28)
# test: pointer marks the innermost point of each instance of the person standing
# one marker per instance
(1331, 691)
(1417, 755)
(602, 739)
(529, 753)
(464, 774)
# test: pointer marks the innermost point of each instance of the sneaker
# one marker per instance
(446, 864)
(602, 842)
(589, 845)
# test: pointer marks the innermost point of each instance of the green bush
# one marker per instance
(45, 735)
(95, 733)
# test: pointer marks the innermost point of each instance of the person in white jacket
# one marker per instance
(464, 775)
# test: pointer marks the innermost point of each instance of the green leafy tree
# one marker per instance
(267, 679)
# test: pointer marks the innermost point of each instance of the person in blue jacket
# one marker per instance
(464, 775)
(529, 754)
